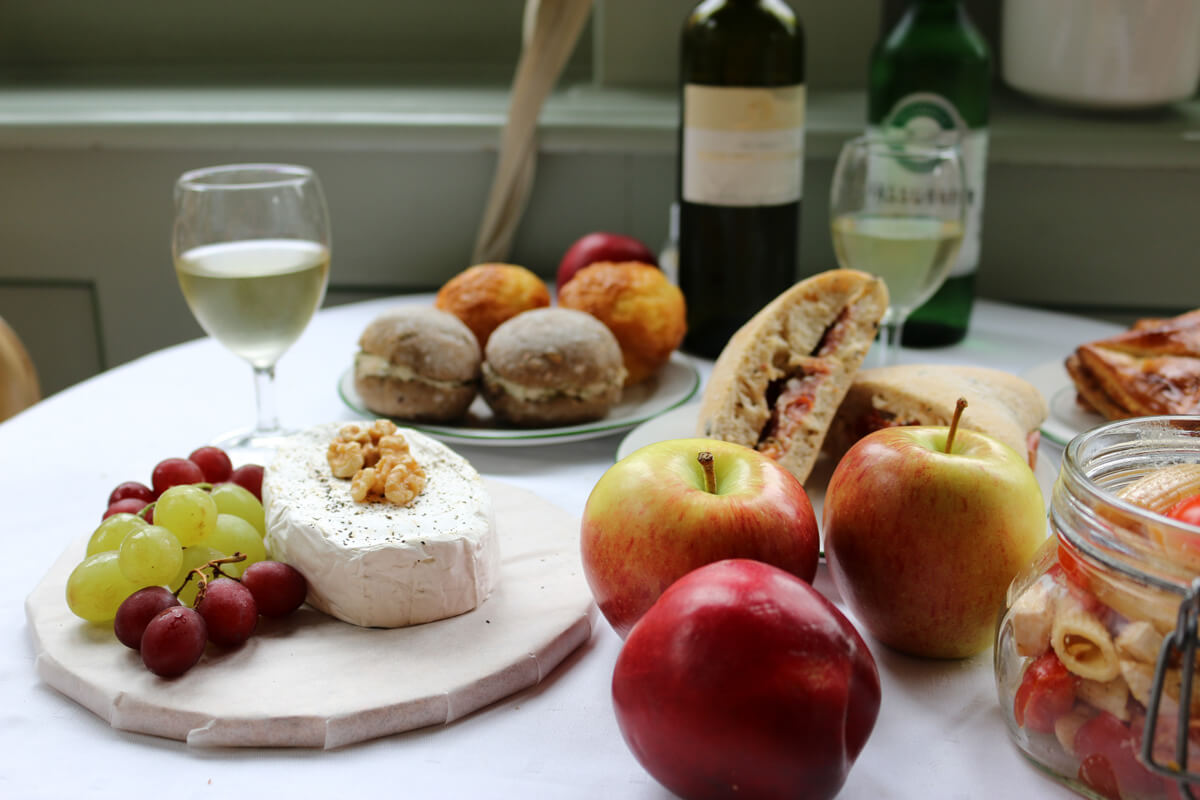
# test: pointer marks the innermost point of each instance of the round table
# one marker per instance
(940, 732)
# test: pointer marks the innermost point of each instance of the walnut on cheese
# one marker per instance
(378, 462)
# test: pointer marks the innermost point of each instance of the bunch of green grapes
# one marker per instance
(187, 526)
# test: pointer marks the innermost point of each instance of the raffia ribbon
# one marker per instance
(551, 29)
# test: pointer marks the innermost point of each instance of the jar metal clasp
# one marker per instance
(1181, 642)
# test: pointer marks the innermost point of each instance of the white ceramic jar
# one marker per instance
(1103, 54)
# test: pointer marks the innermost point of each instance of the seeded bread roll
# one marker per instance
(418, 364)
(779, 380)
(552, 366)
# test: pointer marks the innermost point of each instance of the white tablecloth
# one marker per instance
(939, 735)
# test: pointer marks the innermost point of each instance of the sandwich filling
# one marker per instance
(370, 365)
(540, 394)
(792, 397)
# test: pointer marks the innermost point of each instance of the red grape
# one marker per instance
(174, 641)
(229, 612)
(129, 505)
(135, 613)
(278, 588)
(173, 472)
(213, 462)
(131, 489)
(249, 477)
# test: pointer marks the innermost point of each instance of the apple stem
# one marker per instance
(710, 476)
(959, 407)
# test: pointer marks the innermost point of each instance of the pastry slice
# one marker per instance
(779, 380)
(1153, 368)
(999, 404)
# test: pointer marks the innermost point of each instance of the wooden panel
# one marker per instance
(263, 40)
(57, 324)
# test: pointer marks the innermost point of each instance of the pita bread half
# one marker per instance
(999, 404)
(778, 382)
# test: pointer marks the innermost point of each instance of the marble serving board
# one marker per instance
(312, 681)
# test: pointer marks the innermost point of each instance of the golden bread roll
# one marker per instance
(643, 309)
(486, 295)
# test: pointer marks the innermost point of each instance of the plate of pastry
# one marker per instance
(673, 385)
(1149, 370)
(492, 363)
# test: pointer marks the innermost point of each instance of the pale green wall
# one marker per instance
(1084, 212)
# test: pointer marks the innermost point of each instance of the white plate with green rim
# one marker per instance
(672, 386)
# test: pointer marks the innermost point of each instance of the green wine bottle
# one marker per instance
(931, 74)
(741, 159)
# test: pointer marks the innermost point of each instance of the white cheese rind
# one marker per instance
(378, 564)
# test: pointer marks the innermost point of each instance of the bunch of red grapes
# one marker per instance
(197, 574)
(172, 637)
(204, 465)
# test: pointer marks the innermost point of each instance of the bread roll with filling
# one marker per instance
(417, 363)
(778, 382)
(999, 404)
(552, 366)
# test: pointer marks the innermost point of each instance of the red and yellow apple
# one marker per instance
(743, 681)
(601, 246)
(922, 540)
(659, 513)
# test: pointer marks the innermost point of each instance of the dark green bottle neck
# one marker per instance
(939, 12)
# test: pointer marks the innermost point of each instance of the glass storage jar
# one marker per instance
(1091, 651)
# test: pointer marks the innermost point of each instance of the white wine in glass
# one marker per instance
(898, 211)
(251, 248)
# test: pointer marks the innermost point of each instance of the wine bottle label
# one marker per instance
(743, 146)
(929, 117)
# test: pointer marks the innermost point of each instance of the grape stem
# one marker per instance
(215, 564)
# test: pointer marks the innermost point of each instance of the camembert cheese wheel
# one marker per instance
(379, 564)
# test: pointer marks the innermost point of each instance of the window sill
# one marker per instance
(578, 118)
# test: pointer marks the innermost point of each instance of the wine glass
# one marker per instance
(251, 249)
(897, 210)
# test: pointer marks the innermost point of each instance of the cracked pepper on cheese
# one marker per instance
(377, 564)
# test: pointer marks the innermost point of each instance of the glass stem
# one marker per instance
(889, 341)
(264, 397)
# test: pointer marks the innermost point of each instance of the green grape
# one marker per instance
(111, 532)
(151, 556)
(97, 587)
(193, 557)
(188, 512)
(241, 502)
(236, 535)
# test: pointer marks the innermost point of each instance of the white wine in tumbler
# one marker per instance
(256, 296)
(911, 254)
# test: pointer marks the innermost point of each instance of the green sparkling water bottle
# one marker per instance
(931, 74)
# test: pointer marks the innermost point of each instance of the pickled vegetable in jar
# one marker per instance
(1096, 617)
